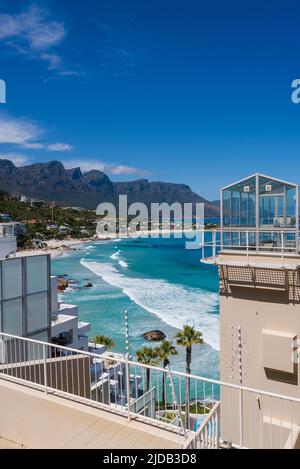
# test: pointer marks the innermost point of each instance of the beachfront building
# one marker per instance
(66, 329)
(257, 254)
(29, 299)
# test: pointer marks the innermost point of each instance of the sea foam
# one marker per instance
(173, 304)
(115, 255)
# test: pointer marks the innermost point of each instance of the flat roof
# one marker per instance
(240, 181)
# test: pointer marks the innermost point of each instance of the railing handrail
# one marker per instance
(107, 356)
(277, 245)
(250, 229)
(191, 441)
(208, 418)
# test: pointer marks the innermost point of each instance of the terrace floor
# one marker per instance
(50, 421)
(6, 444)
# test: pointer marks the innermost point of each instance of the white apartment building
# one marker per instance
(66, 329)
(29, 298)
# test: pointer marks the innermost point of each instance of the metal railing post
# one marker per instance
(282, 247)
(241, 418)
(247, 245)
(45, 369)
(214, 244)
(203, 245)
(128, 388)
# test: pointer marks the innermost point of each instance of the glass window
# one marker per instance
(12, 278)
(12, 317)
(239, 204)
(37, 274)
(37, 312)
(277, 203)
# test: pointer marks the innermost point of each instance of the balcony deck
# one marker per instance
(6, 444)
(49, 421)
(253, 259)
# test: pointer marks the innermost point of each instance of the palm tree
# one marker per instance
(103, 340)
(187, 338)
(148, 356)
(165, 350)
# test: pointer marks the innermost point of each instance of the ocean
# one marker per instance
(161, 284)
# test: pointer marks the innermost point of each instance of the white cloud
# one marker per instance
(18, 131)
(116, 170)
(26, 134)
(123, 170)
(32, 33)
(33, 146)
(17, 158)
(32, 28)
(59, 147)
(54, 61)
(71, 73)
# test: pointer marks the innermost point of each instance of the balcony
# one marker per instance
(83, 328)
(250, 247)
(259, 217)
(109, 401)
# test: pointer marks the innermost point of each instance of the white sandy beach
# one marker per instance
(153, 233)
(55, 248)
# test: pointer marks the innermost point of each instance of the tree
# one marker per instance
(165, 350)
(187, 338)
(103, 340)
(148, 356)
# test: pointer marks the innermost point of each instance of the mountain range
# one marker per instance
(51, 181)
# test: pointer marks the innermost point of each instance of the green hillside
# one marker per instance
(38, 222)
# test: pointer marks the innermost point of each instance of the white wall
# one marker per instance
(7, 246)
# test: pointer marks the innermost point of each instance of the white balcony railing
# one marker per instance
(208, 434)
(249, 242)
(245, 417)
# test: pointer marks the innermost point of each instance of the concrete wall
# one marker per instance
(254, 310)
(7, 246)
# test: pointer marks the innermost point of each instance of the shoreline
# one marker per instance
(55, 248)
(149, 233)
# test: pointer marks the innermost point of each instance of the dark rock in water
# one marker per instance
(88, 285)
(154, 336)
(62, 284)
(73, 282)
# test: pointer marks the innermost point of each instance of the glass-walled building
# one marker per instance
(25, 297)
(260, 211)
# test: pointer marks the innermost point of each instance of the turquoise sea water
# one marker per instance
(162, 285)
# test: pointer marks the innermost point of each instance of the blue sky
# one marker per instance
(182, 91)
